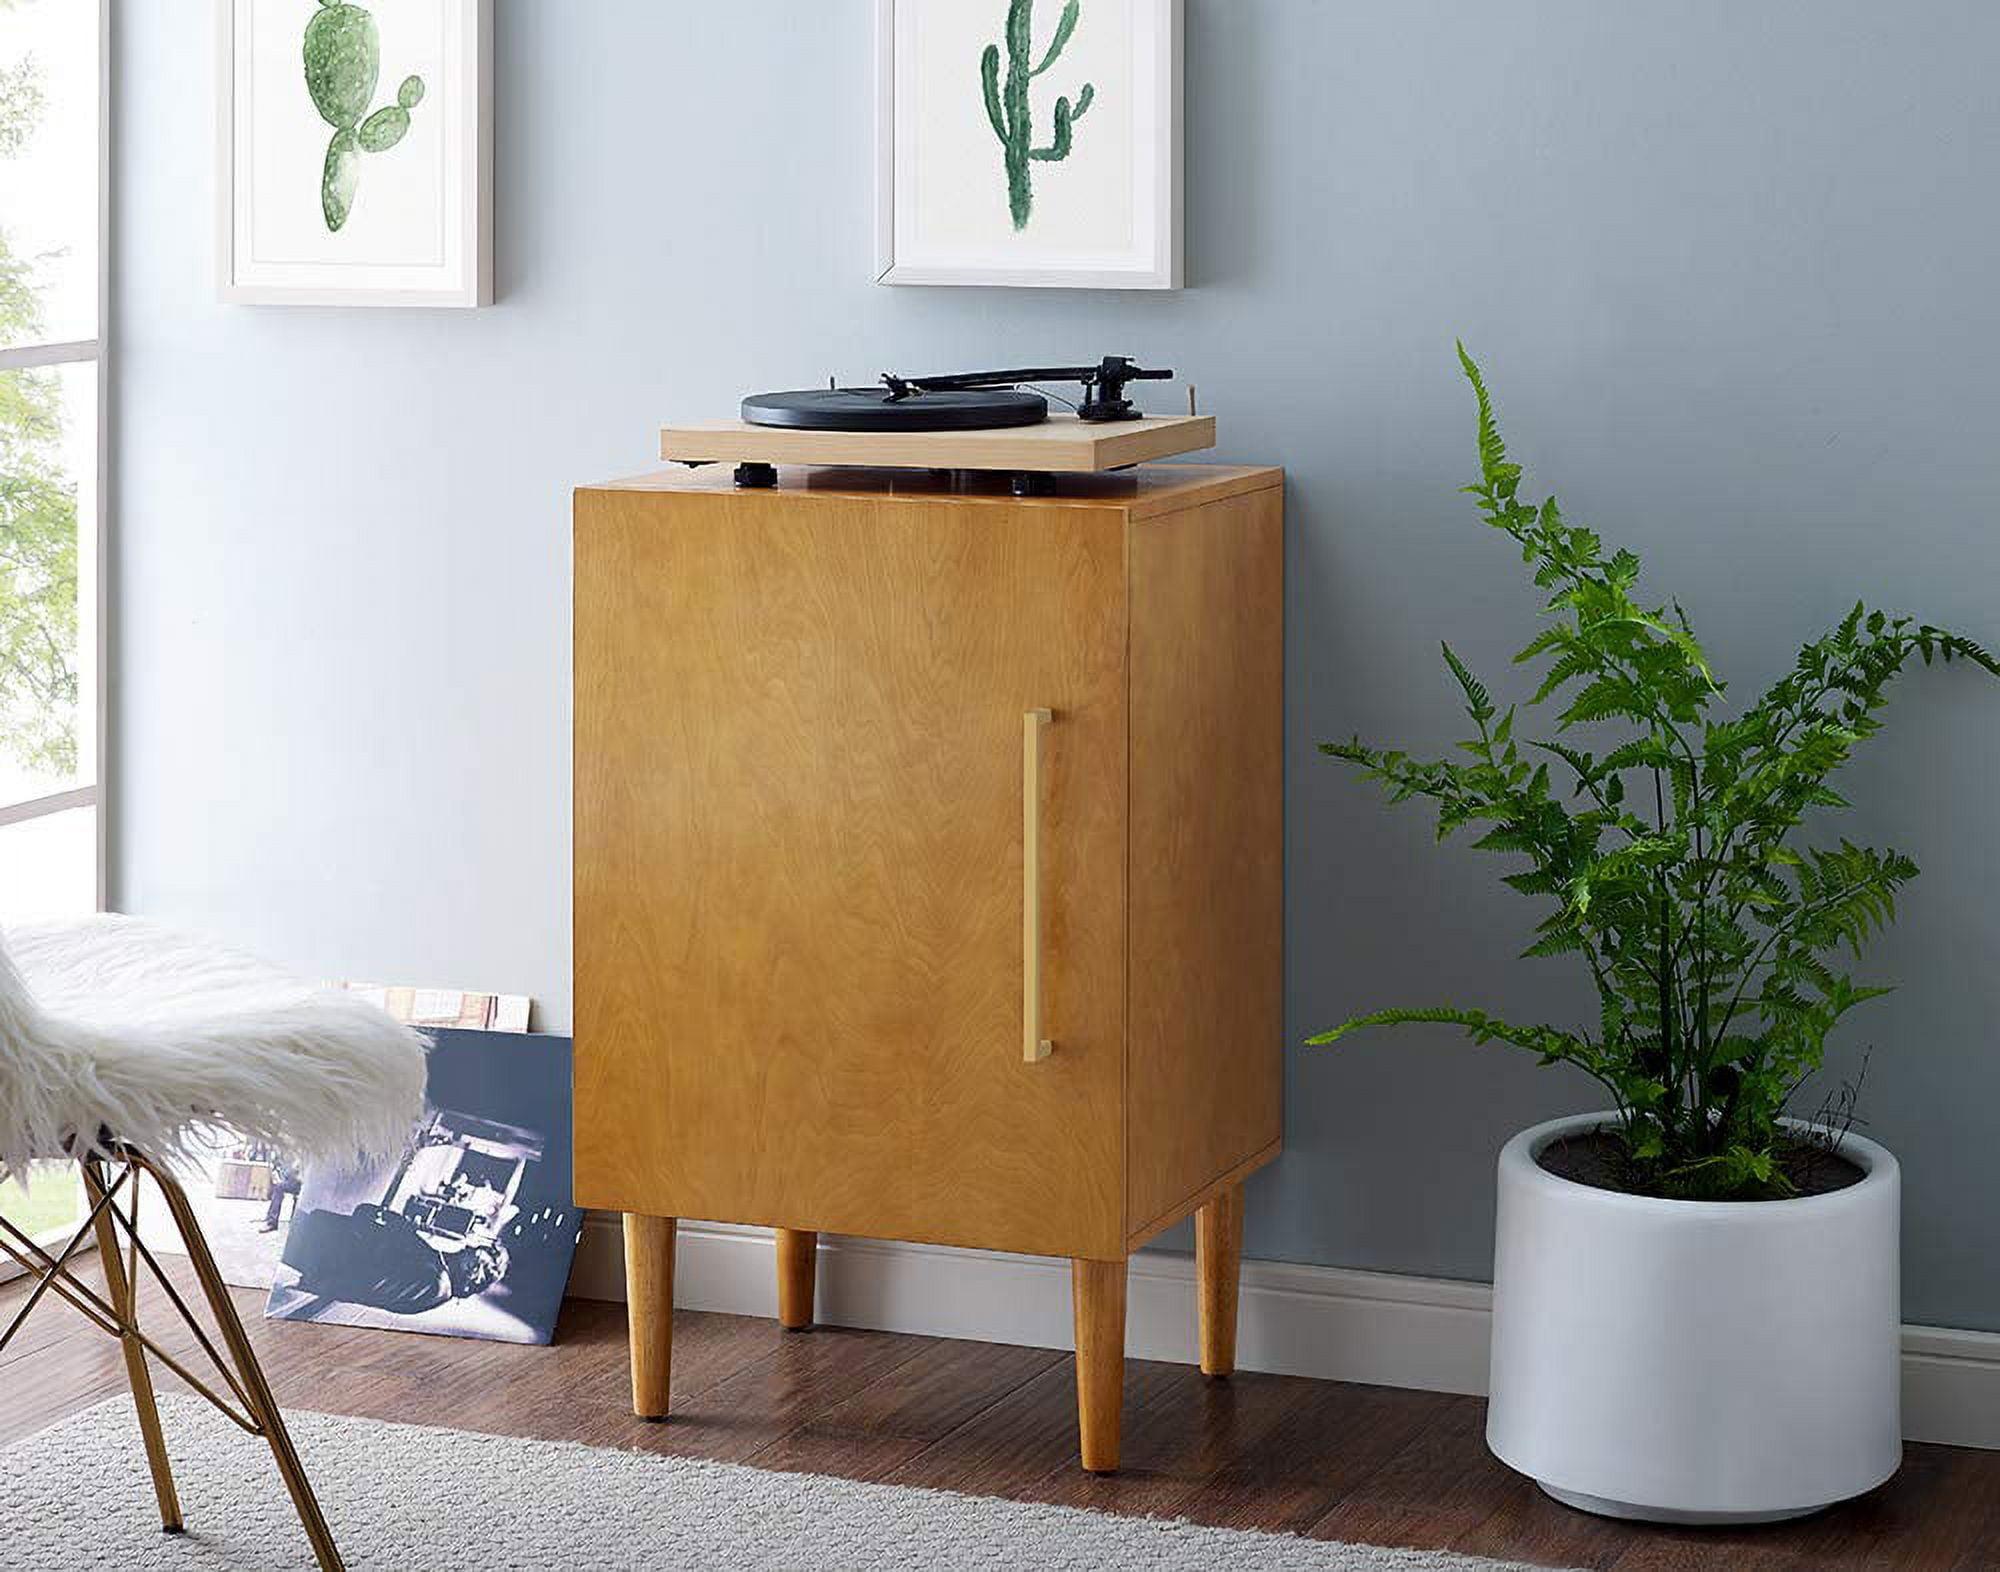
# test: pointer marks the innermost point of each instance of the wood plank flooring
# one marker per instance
(1373, 1464)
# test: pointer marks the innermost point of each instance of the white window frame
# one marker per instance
(87, 352)
(90, 351)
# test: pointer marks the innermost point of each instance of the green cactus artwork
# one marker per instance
(1008, 107)
(343, 58)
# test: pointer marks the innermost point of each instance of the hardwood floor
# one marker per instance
(1372, 1464)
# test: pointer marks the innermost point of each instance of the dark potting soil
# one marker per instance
(1597, 1158)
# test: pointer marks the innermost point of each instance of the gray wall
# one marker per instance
(1731, 268)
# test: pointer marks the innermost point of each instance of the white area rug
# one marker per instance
(76, 1497)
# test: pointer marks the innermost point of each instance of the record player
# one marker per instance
(981, 421)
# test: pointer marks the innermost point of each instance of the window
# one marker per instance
(52, 206)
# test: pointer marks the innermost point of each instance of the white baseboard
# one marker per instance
(1323, 1321)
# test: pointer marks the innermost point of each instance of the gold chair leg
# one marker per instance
(263, 1407)
(123, 1292)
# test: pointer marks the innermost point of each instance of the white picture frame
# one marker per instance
(938, 210)
(415, 231)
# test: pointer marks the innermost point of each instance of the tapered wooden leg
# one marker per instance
(798, 1265)
(649, 1305)
(123, 1292)
(263, 1407)
(1097, 1292)
(1218, 1263)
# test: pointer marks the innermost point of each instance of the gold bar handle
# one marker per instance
(1034, 1046)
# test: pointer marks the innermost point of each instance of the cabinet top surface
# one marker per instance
(1151, 488)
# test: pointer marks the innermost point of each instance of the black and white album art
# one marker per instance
(470, 1232)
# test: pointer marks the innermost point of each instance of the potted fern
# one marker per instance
(1696, 1297)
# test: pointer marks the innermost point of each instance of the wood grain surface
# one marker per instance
(1097, 1300)
(1204, 1089)
(798, 1277)
(800, 852)
(1333, 1461)
(649, 1277)
(1218, 1259)
(799, 865)
(1060, 443)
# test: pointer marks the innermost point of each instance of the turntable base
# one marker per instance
(1062, 444)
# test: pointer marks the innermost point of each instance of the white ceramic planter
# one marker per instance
(1694, 1361)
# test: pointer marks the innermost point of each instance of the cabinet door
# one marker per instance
(800, 948)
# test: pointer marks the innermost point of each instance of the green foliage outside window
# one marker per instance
(38, 510)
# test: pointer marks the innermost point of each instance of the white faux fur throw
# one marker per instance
(114, 1024)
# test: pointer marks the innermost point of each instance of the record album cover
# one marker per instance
(470, 1230)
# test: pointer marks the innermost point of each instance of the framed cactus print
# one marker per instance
(354, 152)
(1029, 142)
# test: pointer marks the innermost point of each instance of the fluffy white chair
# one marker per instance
(126, 1048)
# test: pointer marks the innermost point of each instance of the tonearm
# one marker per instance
(1103, 384)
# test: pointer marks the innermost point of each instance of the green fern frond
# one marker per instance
(1478, 702)
(1552, 1045)
(1492, 450)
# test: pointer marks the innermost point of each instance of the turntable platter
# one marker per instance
(878, 409)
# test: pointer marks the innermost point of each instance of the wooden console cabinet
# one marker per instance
(928, 874)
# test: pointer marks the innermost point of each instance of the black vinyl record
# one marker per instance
(875, 409)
